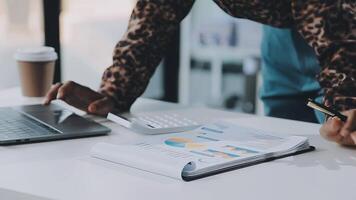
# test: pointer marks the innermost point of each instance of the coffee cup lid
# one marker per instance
(36, 54)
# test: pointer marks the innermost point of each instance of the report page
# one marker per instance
(200, 150)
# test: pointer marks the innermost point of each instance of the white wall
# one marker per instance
(20, 26)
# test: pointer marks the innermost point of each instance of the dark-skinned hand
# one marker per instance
(343, 133)
(80, 97)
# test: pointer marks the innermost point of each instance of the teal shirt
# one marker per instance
(289, 65)
(289, 69)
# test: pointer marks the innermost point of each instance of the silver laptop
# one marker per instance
(42, 123)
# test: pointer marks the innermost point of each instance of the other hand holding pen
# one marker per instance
(343, 133)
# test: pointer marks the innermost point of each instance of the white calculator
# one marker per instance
(154, 123)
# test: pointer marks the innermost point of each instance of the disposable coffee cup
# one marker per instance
(36, 69)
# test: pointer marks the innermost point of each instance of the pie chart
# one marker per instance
(182, 143)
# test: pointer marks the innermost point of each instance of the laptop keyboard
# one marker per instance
(14, 125)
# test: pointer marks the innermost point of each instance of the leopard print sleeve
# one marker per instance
(276, 13)
(136, 56)
(330, 28)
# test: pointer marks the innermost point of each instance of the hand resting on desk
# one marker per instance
(343, 133)
(80, 97)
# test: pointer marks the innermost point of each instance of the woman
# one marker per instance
(328, 26)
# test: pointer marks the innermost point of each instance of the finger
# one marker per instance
(332, 126)
(52, 93)
(65, 90)
(348, 141)
(102, 106)
(330, 130)
(350, 124)
(71, 95)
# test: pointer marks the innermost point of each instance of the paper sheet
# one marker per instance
(204, 148)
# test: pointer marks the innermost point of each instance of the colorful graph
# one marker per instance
(239, 150)
(222, 154)
(183, 143)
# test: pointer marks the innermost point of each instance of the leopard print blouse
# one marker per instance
(329, 26)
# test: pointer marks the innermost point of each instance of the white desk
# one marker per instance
(64, 170)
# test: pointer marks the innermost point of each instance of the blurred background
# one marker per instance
(214, 59)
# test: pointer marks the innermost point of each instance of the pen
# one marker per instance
(326, 110)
